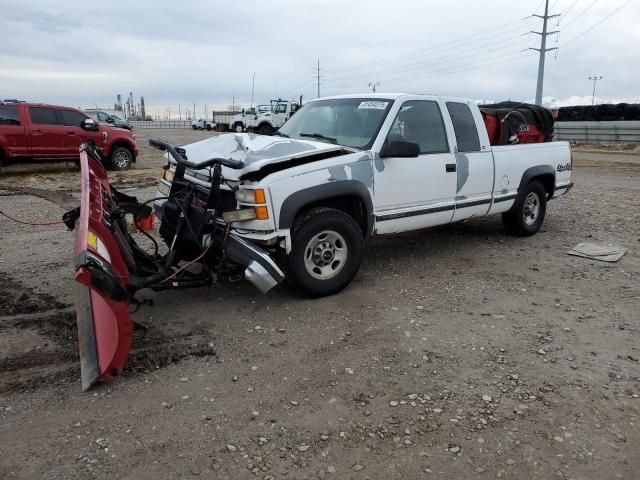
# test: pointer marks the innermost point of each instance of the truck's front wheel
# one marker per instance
(327, 252)
(527, 214)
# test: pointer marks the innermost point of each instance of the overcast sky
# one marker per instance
(171, 52)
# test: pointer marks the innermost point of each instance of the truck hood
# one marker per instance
(258, 151)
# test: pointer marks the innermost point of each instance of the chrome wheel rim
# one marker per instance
(121, 159)
(531, 208)
(238, 128)
(325, 255)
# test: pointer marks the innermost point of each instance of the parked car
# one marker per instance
(301, 204)
(106, 117)
(38, 132)
(203, 124)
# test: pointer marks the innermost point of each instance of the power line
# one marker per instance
(564, 14)
(480, 63)
(580, 14)
(430, 50)
(433, 61)
(596, 24)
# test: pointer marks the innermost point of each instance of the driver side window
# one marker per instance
(420, 121)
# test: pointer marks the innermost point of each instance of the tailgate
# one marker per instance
(102, 306)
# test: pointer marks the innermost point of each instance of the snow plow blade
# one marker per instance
(101, 297)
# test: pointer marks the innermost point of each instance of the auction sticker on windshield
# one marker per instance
(372, 105)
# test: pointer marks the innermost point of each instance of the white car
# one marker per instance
(344, 169)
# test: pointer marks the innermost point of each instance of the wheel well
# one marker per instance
(548, 183)
(122, 144)
(352, 205)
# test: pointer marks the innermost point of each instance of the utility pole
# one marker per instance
(595, 80)
(318, 77)
(543, 49)
(374, 85)
(253, 86)
(194, 111)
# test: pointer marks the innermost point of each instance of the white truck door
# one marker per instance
(474, 161)
(419, 192)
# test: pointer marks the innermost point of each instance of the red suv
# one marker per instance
(38, 132)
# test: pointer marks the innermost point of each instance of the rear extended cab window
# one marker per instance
(43, 116)
(464, 126)
(9, 115)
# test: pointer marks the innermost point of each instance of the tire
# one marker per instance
(238, 127)
(193, 127)
(208, 127)
(265, 129)
(336, 240)
(527, 214)
(121, 158)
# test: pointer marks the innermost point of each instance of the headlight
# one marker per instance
(251, 196)
(239, 215)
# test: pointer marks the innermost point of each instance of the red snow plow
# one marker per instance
(110, 267)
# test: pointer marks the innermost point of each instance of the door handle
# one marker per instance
(70, 132)
(451, 167)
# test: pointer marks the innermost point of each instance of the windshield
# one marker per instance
(352, 122)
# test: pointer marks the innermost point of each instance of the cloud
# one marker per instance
(82, 53)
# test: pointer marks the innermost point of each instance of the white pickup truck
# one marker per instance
(203, 124)
(268, 121)
(346, 168)
(300, 205)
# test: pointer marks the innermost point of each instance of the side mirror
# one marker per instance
(89, 125)
(400, 149)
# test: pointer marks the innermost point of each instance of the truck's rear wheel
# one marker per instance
(208, 126)
(121, 158)
(265, 129)
(527, 214)
(327, 252)
(193, 127)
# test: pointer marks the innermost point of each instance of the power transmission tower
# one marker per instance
(543, 49)
(374, 85)
(595, 80)
(318, 77)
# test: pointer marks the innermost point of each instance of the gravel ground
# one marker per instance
(457, 352)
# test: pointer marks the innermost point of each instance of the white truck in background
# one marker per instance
(346, 168)
(240, 121)
(203, 124)
(269, 121)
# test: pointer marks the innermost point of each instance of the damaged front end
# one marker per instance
(110, 266)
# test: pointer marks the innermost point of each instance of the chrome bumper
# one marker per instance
(260, 270)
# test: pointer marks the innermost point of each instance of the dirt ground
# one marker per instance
(457, 353)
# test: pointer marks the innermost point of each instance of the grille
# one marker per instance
(226, 202)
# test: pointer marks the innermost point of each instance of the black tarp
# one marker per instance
(533, 114)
